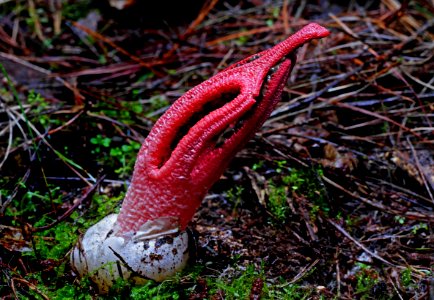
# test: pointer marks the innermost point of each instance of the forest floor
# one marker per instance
(332, 199)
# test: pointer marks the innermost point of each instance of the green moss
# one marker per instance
(277, 201)
(366, 279)
(235, 288)
(240, 287)
(53, 286)
(418, 228)
(121, 158)
(289, 292)
(406, 279)
(155, 291)
(234, 196)
(368, 285)
(54, 243)
(30, 202)
(293, 182)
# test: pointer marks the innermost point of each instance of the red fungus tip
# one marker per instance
(315, 30)
(191, 144)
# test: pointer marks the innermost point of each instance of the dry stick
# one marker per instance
(419, 169)
(101, 70)
(396, 290)
(346, 234)
(353, 34)
(399, 14)
(421, 30)
(39, 137)
(237, 35)
(43, 71)
(400, 189)
(285, 16)
(11, 124)
(37, 24)
(44, 140)
(113, 121)
(30, 285)
(338, 279)
(206, 8)
(118, 48)
(398, 75)
(11, 114)
(286, 156)
(203, 13)
(277, 114)
(22, 116)
(72, 208)
(3, 205)
(56, 10)
(304, 271)
(377, 205)
(424, 84)
(387, 55)
(377, 115)
(7, 39)
(50, 132)
(300, 274)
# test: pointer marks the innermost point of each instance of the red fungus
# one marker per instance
(171, 182)
(184, 154)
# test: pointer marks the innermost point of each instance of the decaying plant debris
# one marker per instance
(333, 198)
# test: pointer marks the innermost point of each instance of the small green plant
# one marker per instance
(100, 142)
(146, 76)
(155, 104)
(76, 10)
(419, 227)
(306, 182)
(36, 100)
(406, 279)
(258, 165)
(242, 39)
(155, 291)
(51, 285)
(281, 166)
(240, 287)
(136, 107)
(55, 242)
(105, 204)
(121, 111)
(122, 157)
(277, 201)
(399, 219)
(125, 154)
(366, 279)
(31, 201)
(303, 182)
(289, 292)
(234, 196)
(237, 288)
(368, 285)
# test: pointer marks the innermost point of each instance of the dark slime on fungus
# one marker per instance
(186, 151)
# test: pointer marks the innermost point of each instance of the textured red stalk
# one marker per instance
(183, 155)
